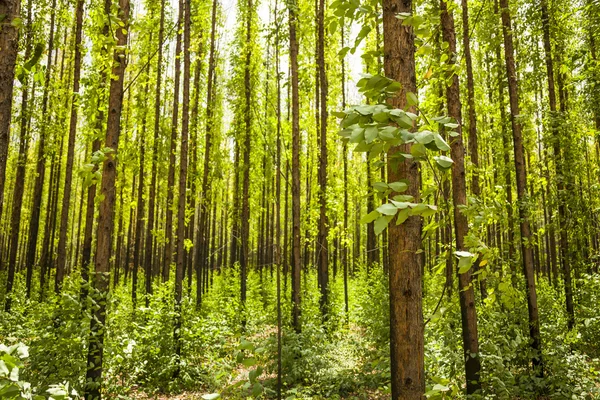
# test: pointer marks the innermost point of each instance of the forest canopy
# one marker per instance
(328, 199)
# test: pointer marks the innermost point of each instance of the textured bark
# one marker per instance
(245, 222)
(9, 43)
(521, 178)
(106, 211)
(17, 198)
(406, 308)
(461, 225)
(296, 296)
(560, 175)
(66, 200)
(322, 240)
(172, 153)
(34, 224)
(183, 166)
(205, 197)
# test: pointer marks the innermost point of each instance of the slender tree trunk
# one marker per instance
(107, 210)
(34, 224)
(9, 43)
(245, 223)
(296, 296)
(172, 154)
(17, 200)
(560, 176)
(204, 203)
(322, 241)
(521, 178)
(461, 225)
(148, 248)
(66, 201)
(406, 308)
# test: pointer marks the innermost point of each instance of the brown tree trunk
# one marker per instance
(245, 222)
(34, 224)
(560, 176)
(17, 198)
(405, 284)
(521, 178)
(66, 201)
(296, 296)
(149, 238)
(9, 43)
(322, 240)
(204, 205)
(183, 165)
(172, 153)
(461, 225)
(107, 209)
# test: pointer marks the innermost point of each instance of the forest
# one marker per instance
(299, 199)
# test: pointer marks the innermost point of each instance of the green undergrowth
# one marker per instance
(344, 357)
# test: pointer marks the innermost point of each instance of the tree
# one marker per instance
(461, 225)
(107, 207)
(404, 240)
(521, 179)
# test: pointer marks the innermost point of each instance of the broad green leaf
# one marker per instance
(387, 209)
(443, 161)
(211, 396)
(398, 186)
(370, 217)
(380, 224)
(411, 98)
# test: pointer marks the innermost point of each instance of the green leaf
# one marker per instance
(211, 396)
(380, 224)
(371, 134)
(380, 186)
(403, 215)
(411, 98)
(398, 186)
(257, 389)
(440, 142)
(387, 209)
(370, 217)
(418, 150)
(443, 161)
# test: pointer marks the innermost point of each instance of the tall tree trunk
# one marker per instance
(183, 165)
(34, 224)
(172, 154)
(107, 209)
(296, 296)
(405, 286)
(521, 178)
(9, 43)
(17, 200)
(155, 148)
(461, 225)
(245, 231)
(322, 241)
(204, 205)
(66, 201)
(560, 176)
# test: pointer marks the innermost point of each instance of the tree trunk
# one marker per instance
(106, 212)
(66, 201)
(521, 178)
(296, 296)
(34, 224)
(405, 284)
(172, 153)
(17, 200)
(9, 43)
(461, 225)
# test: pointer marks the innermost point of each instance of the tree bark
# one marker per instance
(106, 211)
(521, 178)
(296, 296)
(405, 282)
(461, 225)
(66, 200)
